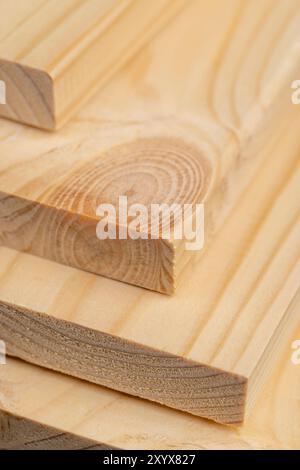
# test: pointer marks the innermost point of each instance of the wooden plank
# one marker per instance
(40, 409)
(155, 139)
(196, 351)
(55, 54)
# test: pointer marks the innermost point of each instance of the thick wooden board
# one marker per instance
(55, 54)
(180, 124)
(40, 409)
(197, 351)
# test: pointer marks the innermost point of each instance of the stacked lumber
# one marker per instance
(54, 54)
(58, 412)
(155, 139)
(197, 351)
(216, 127)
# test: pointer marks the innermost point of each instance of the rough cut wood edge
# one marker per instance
(38, 405)
(18, 433)
(47, 98)
(124, 366)
(29, 95)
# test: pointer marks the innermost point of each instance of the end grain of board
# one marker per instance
(55, 54)
(163, 130)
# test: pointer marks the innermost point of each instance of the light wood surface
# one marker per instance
(196, 351)
(55, 53)
(185, 122)
(40, 409)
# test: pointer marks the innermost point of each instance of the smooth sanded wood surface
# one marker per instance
(40, 409)
(197, 351)
(179, 124)
(55, 53)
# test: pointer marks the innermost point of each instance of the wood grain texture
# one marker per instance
(177, 125)
(54, 54)
(197, 351)
(40, 409)
(24, 434)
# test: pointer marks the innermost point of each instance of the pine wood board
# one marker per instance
(207, 349)
(55, 54)
(41, 409)
(174, 126)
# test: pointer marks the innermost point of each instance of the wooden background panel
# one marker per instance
(55, 23)
(13, 17)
